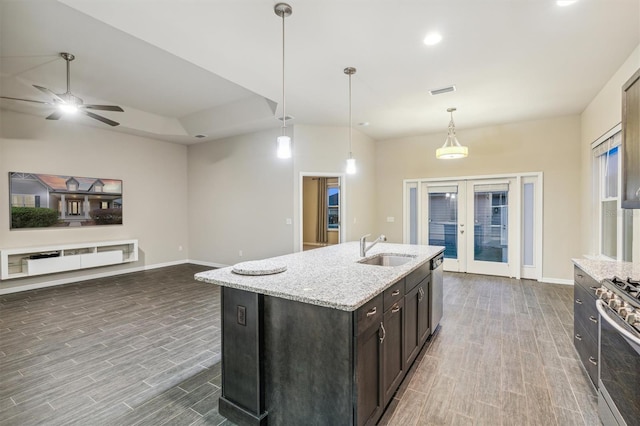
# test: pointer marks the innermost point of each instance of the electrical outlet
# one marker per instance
(179, 248)
(240, 253)
(391, 219)
(288, 221)
(241, 314)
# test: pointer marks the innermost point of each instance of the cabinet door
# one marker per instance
(392, 349)
(631, 143)
(411, 337)
(369, 375)
(423, 312)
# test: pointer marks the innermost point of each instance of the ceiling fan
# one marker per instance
(68, 103)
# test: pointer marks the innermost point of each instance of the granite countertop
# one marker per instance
(601, 270)
(329, 276)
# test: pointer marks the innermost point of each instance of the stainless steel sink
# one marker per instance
(388, 260)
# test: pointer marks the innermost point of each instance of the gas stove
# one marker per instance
(623, 297)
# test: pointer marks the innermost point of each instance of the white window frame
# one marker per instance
(598, 167)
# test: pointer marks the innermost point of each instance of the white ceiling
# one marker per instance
(181, 68)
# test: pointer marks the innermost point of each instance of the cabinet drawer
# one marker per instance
(370, 313)
(393, 294)
(414, 278)
(585, 281)
(587, 348)
(585, 312)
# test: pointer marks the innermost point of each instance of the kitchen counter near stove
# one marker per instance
(601, 270)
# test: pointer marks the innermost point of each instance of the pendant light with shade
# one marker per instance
(452, 148)
(284, 142)
(351, 162)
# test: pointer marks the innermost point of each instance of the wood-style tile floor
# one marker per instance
(143, 349)
(503, 356)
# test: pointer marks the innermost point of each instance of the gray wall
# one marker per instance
(154, 175)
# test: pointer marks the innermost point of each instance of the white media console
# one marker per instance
(30, 261)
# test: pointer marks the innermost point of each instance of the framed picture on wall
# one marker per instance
(46, 201)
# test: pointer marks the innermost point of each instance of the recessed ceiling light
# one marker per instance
(563, 3)
(432, 39)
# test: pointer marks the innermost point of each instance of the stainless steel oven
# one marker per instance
(619, 375)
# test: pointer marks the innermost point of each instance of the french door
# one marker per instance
(486, 225)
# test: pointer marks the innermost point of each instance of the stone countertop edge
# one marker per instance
(601, 270)
(329, 276)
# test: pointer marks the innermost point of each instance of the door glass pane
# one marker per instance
(527, 222)
(490, 226)
(443, 222)
(610, 228)
(413, 215)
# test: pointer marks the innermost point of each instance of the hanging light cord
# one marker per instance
(350, 122)
(284, 104)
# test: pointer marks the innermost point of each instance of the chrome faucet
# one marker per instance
(363, 243)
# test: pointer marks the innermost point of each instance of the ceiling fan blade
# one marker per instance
(25, 100)
(103, 107)
(50, 93)
(55, 115)
(101, 118)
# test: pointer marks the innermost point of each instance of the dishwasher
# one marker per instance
(435, 291)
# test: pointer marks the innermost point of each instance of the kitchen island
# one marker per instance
(329, 339)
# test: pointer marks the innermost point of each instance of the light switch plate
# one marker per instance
(391, 219)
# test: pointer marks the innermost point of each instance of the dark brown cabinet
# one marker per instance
(392, 349)
(631, 143)
(416, 330)
(369, 375)
(391, 330)
(585, 322)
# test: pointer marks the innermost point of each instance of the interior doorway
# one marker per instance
(322, 209)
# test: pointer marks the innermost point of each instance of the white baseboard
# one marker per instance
(203, 263)
(91, 276)
(556, 281)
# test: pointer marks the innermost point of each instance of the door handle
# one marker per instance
(384, 333)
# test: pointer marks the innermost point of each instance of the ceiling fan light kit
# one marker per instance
(451, 148)
(68, 103)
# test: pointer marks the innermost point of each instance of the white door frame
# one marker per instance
(342, 230)
(517, 203)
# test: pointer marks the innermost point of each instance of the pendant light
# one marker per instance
(351, 162)
(284, 142)
(452, 148)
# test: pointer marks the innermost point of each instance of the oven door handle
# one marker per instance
(600, 306)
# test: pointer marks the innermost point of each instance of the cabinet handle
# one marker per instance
(372, 311)
(395, 308)
(592, 287)
(578, 337)
(384, 333)
(580, 275)
(395, 292)
(593, 319)
(593, 361)
(420, 294)
(579, 302)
